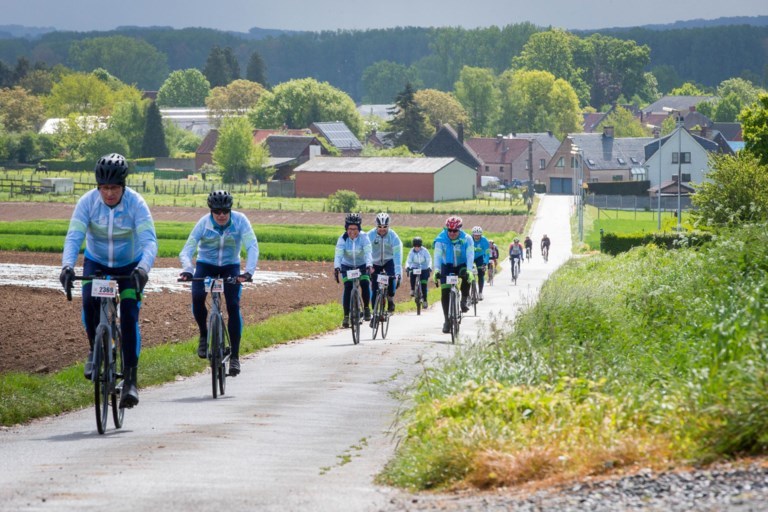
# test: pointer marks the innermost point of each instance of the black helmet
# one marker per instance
(111, 170)
(220, 200)
(416, 241)
(353, 218)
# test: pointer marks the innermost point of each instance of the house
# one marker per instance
(191, 119)
(380, 140)
(548, 141)
(398, 179)
(450, 143)
(339, 136)
(204, 152)
(508, 159)
(286, 152)
(669, 104)
(591, 120)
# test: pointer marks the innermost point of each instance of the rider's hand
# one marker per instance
(140, 277)
(370, 271)
(185, 276)
(244, 277)
(336, 273)
(437, 279)
(66, 277)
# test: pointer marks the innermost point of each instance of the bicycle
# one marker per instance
(515, 270)
(355, 304)
(108, 368)
(491, 272)
(545, 253)
(528, 253)
(454, 306)
(219, 348)
(380, 316)
(417, 292)
(473, 292)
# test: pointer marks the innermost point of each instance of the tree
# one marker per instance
(343, 201)
(37, 82)
(180, 142)
(624, 123)
(79, 93)
(687, 89)
(233, 100)
(20, 111)
(383, 80)
(132, 60)
(256, 71)
(754, 127)
(187, 88)
(736, 191)
(104, 142)
(299, 103)
(534, 101)
(153, 144)
(235, 152)
(478, 93)
(128, 119)
(221, 67)
(409, 125)
(441, 108)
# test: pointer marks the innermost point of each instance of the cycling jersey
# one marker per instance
(494, 252)
(386, 248)
(515, 250)
(460, 251)
(221, 245)
(419, 259)
(482, 251)
(353, 253)
(114, 237)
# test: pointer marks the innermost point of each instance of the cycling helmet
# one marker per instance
(453, 222)
(477, 230)
(517, 240)
(111, 170)
(220, 200)
(490, 241)
(416, 241)
(382, 219)
(353, 218)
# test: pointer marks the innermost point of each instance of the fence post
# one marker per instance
(601, 240)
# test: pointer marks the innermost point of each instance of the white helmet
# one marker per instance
(382, 219)
(477, 230)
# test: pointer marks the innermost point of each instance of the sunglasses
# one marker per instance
(220, 212)
(453, 230)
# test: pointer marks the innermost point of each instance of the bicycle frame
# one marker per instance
(417, 292)
(380, 316)
(454, 307)
(355, 304)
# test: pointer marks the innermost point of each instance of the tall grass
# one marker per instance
(649, 357)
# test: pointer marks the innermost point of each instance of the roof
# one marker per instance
(592, 120)
(679, 103)
(610, 153)
(731, 131)
(192, 119)
(289, 145)
(375, 165)
(497, 150)
(381, 111)
(338, 135)
(445, 143)
(653, 145)
(548, 141)
(208, 143)
(261, 134)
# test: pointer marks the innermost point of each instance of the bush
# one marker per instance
(343, 201)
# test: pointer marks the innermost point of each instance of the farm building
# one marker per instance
(399, 179)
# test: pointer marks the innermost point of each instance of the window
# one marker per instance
(634, 160)
(574, 162)
(487, 169)
(560, 162)
(527, 166)
(686, 177)
(542, 163)
(621, 161)
(617, 177)
(686, 157)
(501, 169)
(591, 162)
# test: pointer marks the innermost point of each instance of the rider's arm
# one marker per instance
(251, 245)
(188, 251)
(339, 253)
(367, 251)
(428, 257)
(78, 226)
(145, 228)
(397, 253)
(470, 254)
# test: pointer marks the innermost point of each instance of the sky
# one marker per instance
(241, 15)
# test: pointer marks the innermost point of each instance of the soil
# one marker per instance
(42, 332)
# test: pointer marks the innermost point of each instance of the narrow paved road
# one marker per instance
(305, 427)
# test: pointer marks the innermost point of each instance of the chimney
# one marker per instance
(608, 131)
(498, 139)
(460, 132)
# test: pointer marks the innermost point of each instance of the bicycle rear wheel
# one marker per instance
(354, 315)
(377, 315)
(417, 297)
(100, 377)
(491, 273)
(453, 314)
(118, 370)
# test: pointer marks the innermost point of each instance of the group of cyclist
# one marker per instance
(518, 251)
(120, 240)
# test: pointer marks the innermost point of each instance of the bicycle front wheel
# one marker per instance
(384, 319)
(377, 315)
(474, 297)
(491, 272)
(100, 377)
(118, 371)
(417, 297)
(354, 315)
(454, 313)
(214, 349)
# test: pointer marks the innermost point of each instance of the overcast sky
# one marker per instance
(241, 15)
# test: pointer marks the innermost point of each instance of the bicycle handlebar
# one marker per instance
(227, 280)
(68, 289)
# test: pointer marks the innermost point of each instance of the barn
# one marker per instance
(398, 179)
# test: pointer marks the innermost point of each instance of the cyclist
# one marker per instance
(544, 243)
(218, 238)
(482, 257)
(516, 252)
(354, 251)
(528, 244)
(454, 254)
(120, 239)
(387, 253)
(494, 255)
(419, 257)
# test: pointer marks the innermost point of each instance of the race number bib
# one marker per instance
(353, 274)
(214, 285)
(452, 279)
(383, 279)
(416, 271)
(104, 288)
